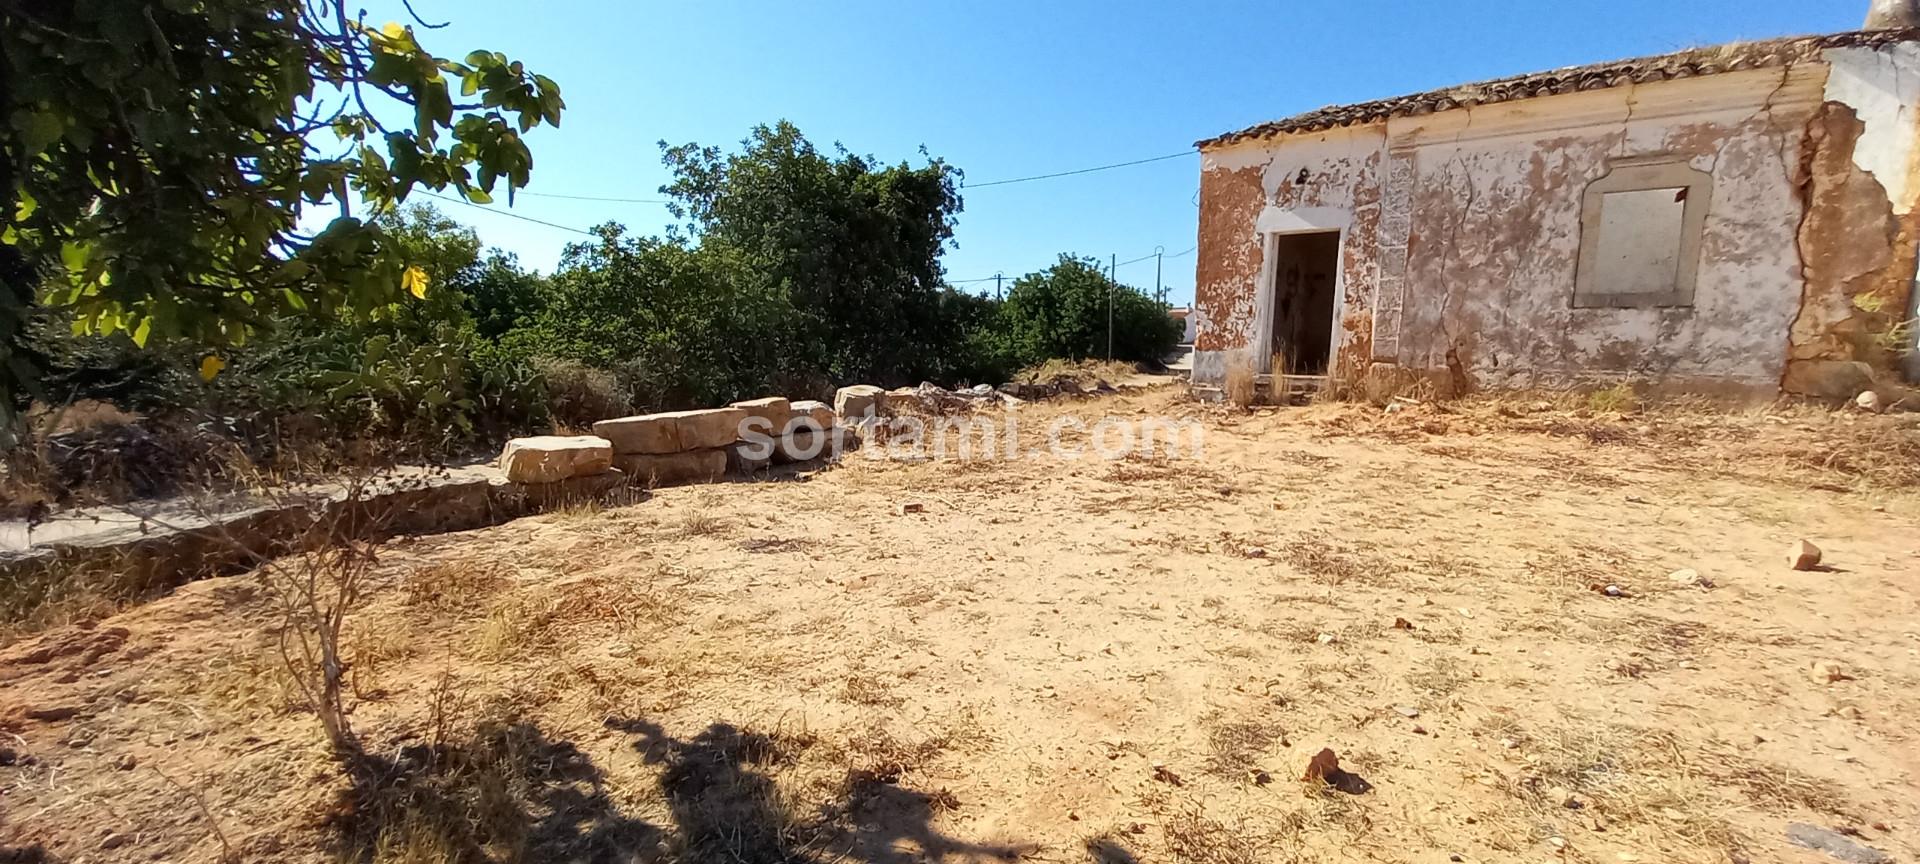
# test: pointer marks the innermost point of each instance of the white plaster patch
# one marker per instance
(1882, 86)
(1274, 220)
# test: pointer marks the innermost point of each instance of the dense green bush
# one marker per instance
(1074, 311)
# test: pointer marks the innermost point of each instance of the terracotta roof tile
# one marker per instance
(1572, 79)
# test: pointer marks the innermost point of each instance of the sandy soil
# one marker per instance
(1067, 660)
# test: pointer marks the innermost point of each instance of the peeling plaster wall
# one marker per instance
(1494, 244)
(1882, 86)
(1858, 238)
(1464, 229)
(1333, 177)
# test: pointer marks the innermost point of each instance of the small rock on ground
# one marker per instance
(1803, 556)
(1835, 844)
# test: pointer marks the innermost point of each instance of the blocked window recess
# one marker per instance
(1640, 233)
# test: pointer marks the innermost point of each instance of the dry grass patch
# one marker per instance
(243, 685)
(1083, 372)
(1440, 677)
(1189, 836)
(456, 585)
(870, 690)
(37, 599)
(1775, 787)
(371, 652)
(1583, 567)
(531, 622)
(1332, 563)
(1649, 778)
(1236, 747)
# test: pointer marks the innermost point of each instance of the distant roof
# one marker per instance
(1596, 76)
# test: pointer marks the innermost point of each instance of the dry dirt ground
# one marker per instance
(1068, 660)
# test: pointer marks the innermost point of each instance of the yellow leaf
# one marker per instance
(210, 366)
(415, 281)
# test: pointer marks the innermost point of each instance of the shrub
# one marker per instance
(578, 394)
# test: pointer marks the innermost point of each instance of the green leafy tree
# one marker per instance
(447, 252)
(501, 295)
(1063, 312)
(853, 244)
(157, 158)
(685, 324)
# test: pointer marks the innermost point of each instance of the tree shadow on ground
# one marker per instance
(35, 854)
(727, 807)
(510, 793)
(507, 794)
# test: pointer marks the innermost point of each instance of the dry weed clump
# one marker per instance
(1241, 384)
(702, 523)
(870, 690)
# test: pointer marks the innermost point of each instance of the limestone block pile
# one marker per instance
(679, 447)
(673, 448)
(779, 432)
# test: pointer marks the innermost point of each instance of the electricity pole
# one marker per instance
(997, 295)
(1110, 283)
(1159, 293)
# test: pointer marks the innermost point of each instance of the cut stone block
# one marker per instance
(673, 469)
(859, 402)
(746, 457)
(818, 415)
(803, 445)
(552, 458)
(714, 427)
(673, 431)
(592, 488)
(769, 415)
(652, 433)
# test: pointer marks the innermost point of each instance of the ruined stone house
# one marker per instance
(1737, 217)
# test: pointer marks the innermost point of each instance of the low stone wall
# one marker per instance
(175, 543)
(151, 548)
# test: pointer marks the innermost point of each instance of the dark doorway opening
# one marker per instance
(1303, 282)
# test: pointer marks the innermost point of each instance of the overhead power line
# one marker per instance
(508, 214)
(617, 199)
(598, 198)
(1076, 171)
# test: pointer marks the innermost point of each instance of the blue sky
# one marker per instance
(1010, 89)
